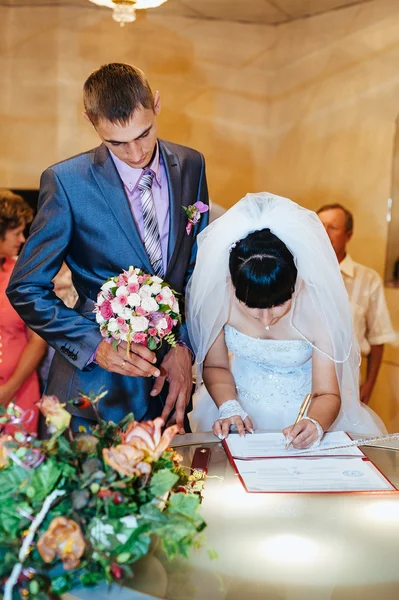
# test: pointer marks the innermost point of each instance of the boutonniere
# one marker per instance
(194, 212)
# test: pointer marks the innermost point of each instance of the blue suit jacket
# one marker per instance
(84, 219)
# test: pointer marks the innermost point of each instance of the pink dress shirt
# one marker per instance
(131, 178)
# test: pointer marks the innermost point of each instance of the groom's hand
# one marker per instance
(176, 369)
(139, 363)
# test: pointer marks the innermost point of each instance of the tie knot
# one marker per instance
(146, 180)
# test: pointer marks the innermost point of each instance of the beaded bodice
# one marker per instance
(275, 373)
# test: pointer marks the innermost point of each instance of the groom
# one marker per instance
(117, 205)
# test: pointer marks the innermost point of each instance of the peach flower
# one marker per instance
(148, 437)
(63, 539)
(126, 460)
(54, 412)
(3, 451)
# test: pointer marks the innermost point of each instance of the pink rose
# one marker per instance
(122, 300)
(106, 310)
(121, 280)
(159, 298)
(152, 331)
(141, 279)
(123, 326)
(140, 338)
(170, 324)
(104, 333)
(133, 288)
(140, 311)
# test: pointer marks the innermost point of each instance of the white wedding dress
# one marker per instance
(272, 378)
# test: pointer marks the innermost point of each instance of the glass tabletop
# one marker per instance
(279, 546)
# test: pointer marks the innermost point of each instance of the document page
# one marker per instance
(266, 445)
(311, 475)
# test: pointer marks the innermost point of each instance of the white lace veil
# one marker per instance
(320, 299)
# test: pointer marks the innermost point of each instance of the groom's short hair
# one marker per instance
(114, 92)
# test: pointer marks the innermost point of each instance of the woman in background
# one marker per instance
(21, 350)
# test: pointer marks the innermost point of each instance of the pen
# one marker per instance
(302, 411)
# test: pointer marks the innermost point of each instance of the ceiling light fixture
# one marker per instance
(124, 11)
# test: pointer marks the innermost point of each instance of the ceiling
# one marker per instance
(267, 12)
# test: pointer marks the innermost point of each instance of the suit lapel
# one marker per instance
(107, 177)
(177, 217)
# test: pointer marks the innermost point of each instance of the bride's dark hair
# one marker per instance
(262, 270)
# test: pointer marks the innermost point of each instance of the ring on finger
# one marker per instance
(123, 364)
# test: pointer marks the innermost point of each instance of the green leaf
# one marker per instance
(10, 519)
(60, 585)
(185, 504)
(162, 482)
(45, 478)
(90, 579)
(137, 544)
(115, 344)
(12, 478)
(151, 343)
(152, 515)
(213, 555)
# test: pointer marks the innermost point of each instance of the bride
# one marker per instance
(269, 319)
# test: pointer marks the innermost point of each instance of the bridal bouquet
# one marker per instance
(78, 511)
(137, 307)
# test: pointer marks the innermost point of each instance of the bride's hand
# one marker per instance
(303, 434)
(221, 427)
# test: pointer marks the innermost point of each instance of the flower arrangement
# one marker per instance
(137, 307)
(194, 212)
(83, 510)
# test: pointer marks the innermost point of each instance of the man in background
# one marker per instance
(371, 319)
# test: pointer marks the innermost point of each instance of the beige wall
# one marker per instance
(305, 110)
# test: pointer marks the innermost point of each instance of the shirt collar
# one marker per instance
(347, 266)
(131, 177)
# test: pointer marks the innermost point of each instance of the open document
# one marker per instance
(269, 445)
(264, 465)
(311, 475)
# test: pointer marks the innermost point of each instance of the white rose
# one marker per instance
(126, 314)
(117, 307)
(149, 304)
(166, 292)
(123, 337)
(162, 324)
(108, 285)
(175, 307)
(138, 324)
(133, 300)
(155, 289)
(99, 318)
(156, 279)
(133, 278)
(145, 290)
(122, 291)
(100, 299)
(112, 325)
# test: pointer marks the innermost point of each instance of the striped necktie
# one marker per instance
(152, 241)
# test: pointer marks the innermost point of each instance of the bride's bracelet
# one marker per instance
(320, 431)
(231, 408)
